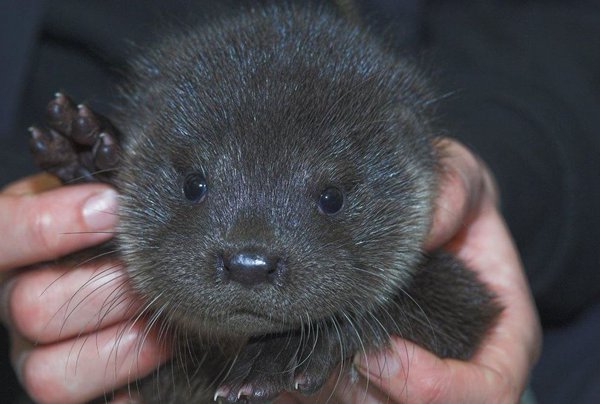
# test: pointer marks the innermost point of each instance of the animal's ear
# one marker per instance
(78, 144)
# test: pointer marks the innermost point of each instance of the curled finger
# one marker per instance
(56, 302)
(408, 373)
(90, 366)
(465, 185)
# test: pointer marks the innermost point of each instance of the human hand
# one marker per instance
(468, 223)
(69, 366)
(69, 322)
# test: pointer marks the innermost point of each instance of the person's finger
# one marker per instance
(33, 184)
(463, 182)
(127, 396)
(52, 224)
(350, 390)
(87, 367)
(411, 374)
(55, 302)
(514, 344)
(290, 398)
(500, 368)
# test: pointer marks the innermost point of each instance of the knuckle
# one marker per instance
(27, 310)
(41, 382)
(42, 234)
(431, 390)
(458, 187)
(465, 178)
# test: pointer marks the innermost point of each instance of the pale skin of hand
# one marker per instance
(74, 359)
(62, 324)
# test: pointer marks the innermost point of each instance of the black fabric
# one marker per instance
(569, 367)
(522, 85)
(519, 83)
(398, 21)
(19, 24)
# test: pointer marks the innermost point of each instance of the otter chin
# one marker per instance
(277, 171)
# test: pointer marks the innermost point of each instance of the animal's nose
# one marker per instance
(250, 268)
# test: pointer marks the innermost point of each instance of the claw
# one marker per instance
(105, 152)
(86, 126)
(307, 385)
(244, 391)
(60, 113)
(221, 392)
(39, 139)
(77, 143)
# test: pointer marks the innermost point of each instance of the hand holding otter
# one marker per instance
(77, 337)
(468, 223)
(63, 341)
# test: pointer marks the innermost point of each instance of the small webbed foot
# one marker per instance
(266, 368)
(79, 145)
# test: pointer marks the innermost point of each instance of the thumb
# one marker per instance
(411, 374)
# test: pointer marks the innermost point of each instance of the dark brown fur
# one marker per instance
(272, 106)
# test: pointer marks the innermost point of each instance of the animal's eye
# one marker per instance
(195, 187)
(331, 201)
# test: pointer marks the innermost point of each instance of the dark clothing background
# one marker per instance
(519, 82)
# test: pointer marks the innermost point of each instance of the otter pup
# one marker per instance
(276, 173)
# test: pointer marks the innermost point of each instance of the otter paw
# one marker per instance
(261, 371)
(317, 363)
(265, 369)
(78, 145)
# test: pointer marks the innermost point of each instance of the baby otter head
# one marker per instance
(277, 173)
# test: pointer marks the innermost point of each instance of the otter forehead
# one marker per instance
(281, 75)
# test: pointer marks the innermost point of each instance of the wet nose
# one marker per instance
(250, 268)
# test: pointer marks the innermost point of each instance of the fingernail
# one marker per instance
(99, 210)
(377, 364)
(19, 352)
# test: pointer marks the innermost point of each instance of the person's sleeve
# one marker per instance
(521, 86)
